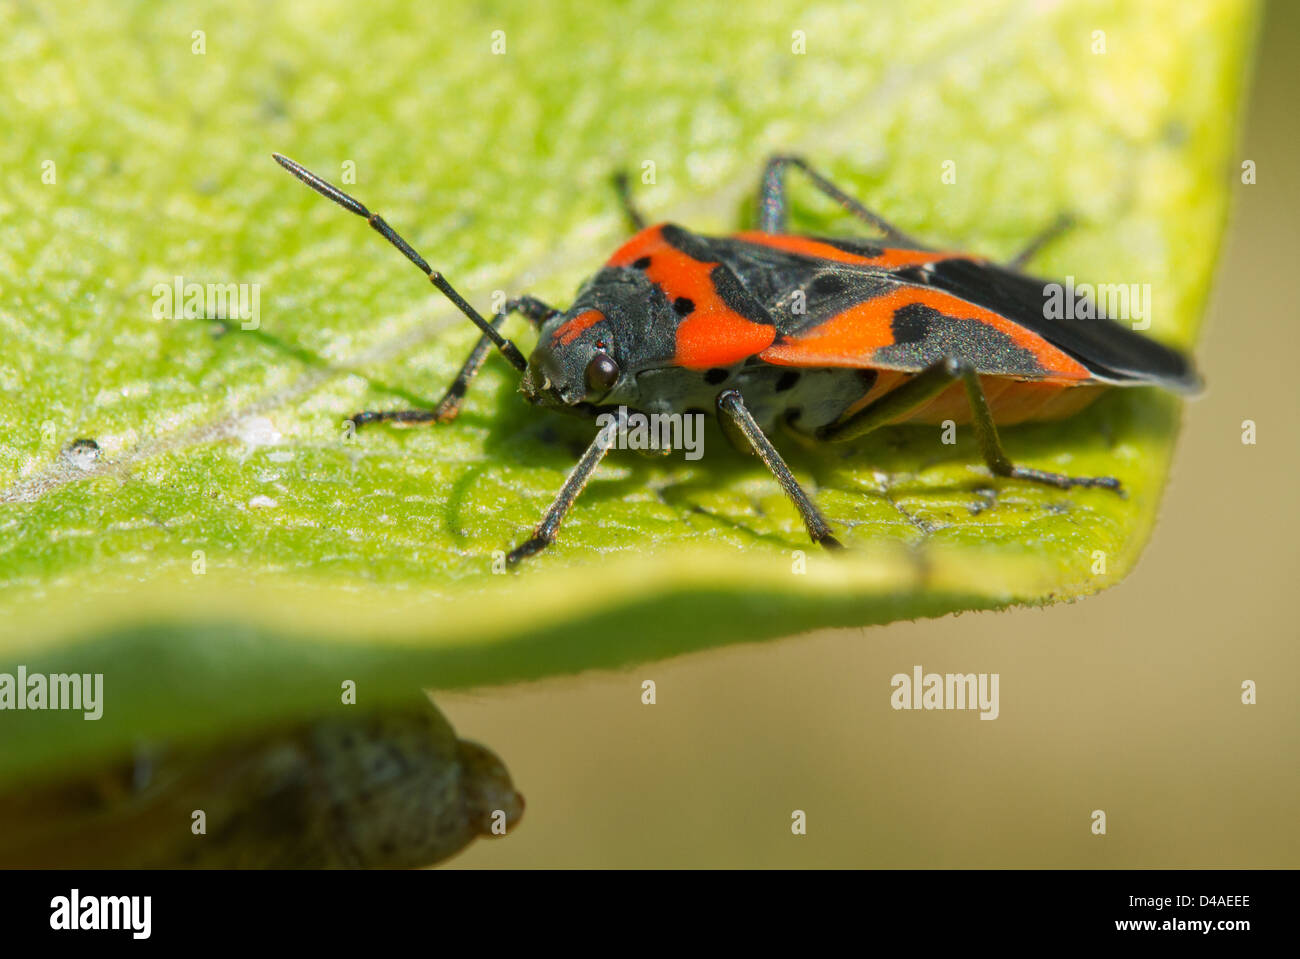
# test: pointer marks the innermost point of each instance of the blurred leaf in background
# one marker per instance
(356, 788)
(227, 555)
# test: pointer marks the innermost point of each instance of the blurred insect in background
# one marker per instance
(394, 788)
(832, 338)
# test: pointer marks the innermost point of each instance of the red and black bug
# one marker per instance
(833, 337)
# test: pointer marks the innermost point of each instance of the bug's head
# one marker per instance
(573, 361)
(590, 355)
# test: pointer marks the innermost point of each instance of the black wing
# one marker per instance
(1113, 352)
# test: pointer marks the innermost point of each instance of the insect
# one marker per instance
(395, 788)
(831, 337)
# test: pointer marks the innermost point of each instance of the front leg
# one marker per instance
(927, 385)
(733, 414)
(544, 535)
(449, 406)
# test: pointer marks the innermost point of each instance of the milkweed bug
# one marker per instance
(833, 337)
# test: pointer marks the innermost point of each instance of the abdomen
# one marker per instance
(1011, 401)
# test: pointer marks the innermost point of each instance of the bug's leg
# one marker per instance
(986, 433)
(331, 192)
(732, 409)
(1063, 223)
(449, 406)
(911, 395)
(772, 208)
(924, 387)
(634, 216)
(577, 479)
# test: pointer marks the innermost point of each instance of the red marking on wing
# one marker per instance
(712, 334)
(890, 258)
(570, 330)
(852, 337)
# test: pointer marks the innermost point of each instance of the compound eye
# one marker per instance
(602, 373)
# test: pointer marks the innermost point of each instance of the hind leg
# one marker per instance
(1063, 223)
(772, 212)
(927, 385)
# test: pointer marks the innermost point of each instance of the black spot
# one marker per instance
(683, 306)
(641, 264)
(787, 381)
(911, 324)
(923, 336)
(827, 284)
(696, 411)
(715, 376)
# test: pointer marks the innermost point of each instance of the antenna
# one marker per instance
(332, 192)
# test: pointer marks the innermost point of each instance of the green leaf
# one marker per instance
(370, 559)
